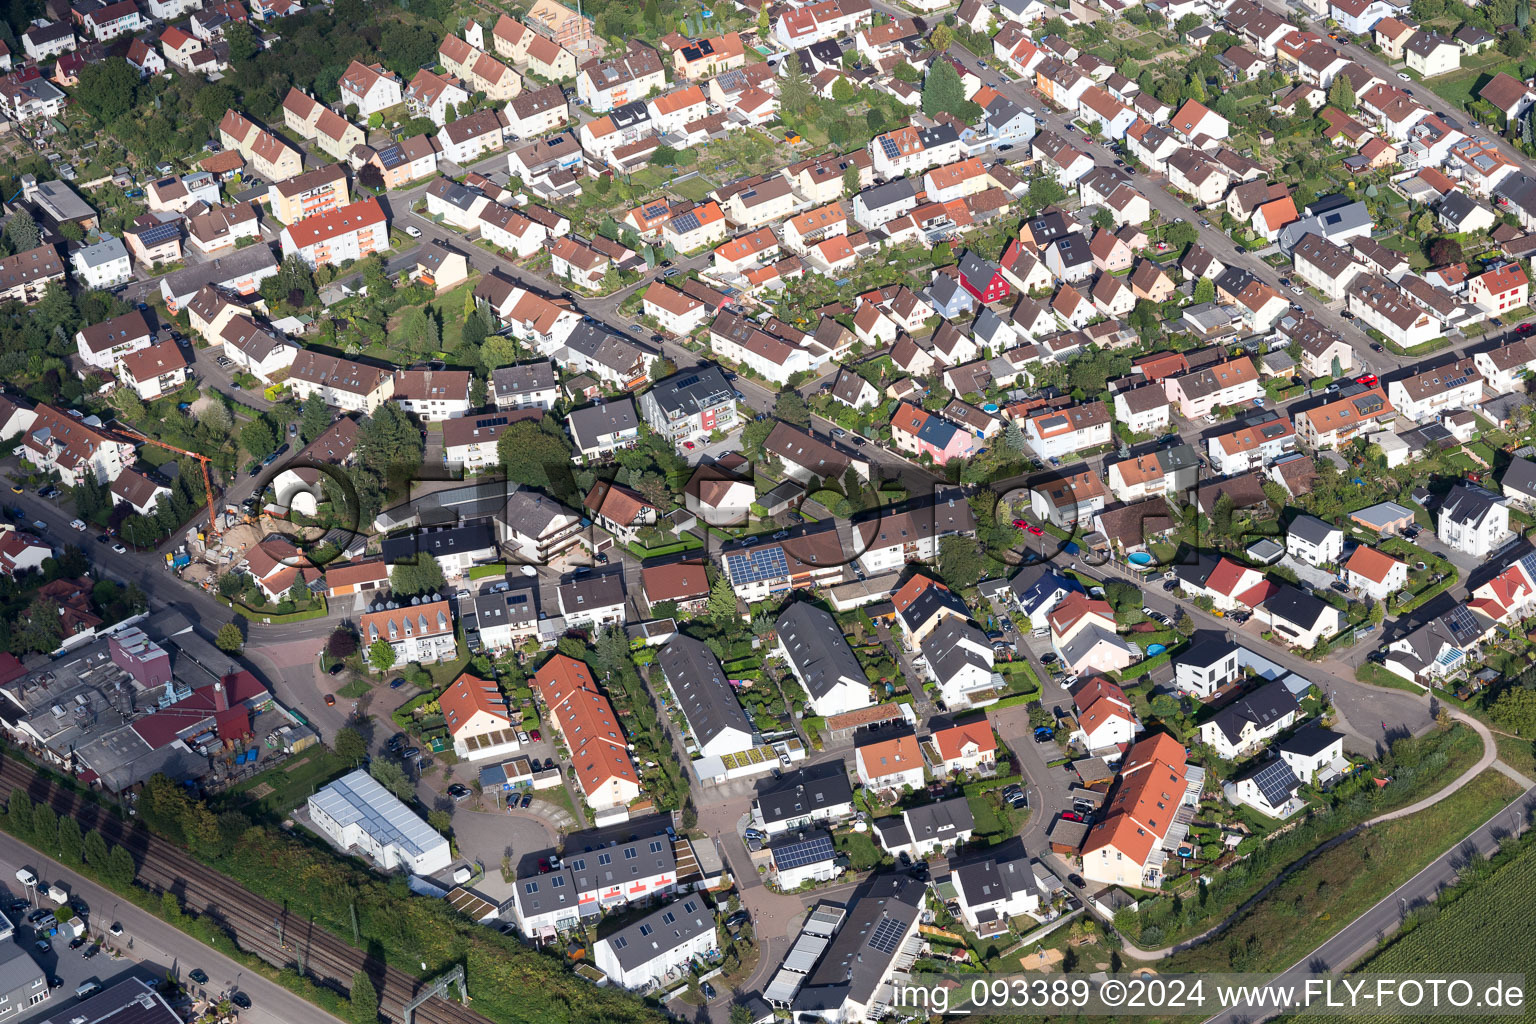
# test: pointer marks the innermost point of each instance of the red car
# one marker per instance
(1071, 816)
(1037, 531)
(689, 445)
(533, 734)
(1367, 379)
(1019, 524)
(543, 865)
(1525, 328)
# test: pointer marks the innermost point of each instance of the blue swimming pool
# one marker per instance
(1139, 558)
(1153, 650)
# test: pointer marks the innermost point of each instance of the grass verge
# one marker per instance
(1339, 884)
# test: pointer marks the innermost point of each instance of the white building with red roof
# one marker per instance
(21, 552)
(969, 747)
(330, 239)
(590, 730)
(1130, 843)
(478, 719)
(1106, 722)
(1231, 586)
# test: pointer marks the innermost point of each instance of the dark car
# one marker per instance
(708, 990)
(527, 800)
(738, 919)
(76, 943)
(241, 1000)
(1077, 880)
(338, 668)
(396, 742)
(411, 753)
(91, 951)
(42, 946)
(1340, 586)
(395, 684)
(200, 976)
(459, 791)
(55, 982)
(549, 763)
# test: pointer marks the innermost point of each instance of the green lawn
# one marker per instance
(1519, 754)
(1340, 884)
(695, 188)
(286, 786)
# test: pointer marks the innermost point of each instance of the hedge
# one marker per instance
(1015, 699)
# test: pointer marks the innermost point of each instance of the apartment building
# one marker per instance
(345, 233)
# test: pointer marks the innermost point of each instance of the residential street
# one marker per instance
(158, 948)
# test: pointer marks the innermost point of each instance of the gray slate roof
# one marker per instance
(699, 682)
(816, 647)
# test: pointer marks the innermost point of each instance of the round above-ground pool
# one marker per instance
(1153, 650)
(1186, 851)
(1139, 558)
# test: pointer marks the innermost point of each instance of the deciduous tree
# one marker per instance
(229, 638)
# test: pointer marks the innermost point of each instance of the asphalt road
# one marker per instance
(1363, 934)
(162, 948)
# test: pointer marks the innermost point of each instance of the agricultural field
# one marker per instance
(1485, 927)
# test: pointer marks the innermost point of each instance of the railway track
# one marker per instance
(252, 920)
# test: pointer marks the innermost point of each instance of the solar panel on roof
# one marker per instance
(687, 222)
(759, 565)
(887, 936)
(655, 210)
(811, 851)
(888, 144)
(1276, 782)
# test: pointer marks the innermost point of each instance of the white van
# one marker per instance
(26, 877)
(88, 989)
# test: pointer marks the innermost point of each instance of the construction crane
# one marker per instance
(213, 522)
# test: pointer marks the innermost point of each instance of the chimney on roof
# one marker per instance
(220, 697)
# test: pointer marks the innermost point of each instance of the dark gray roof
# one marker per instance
(1469, 504)
(699, 682)
(995, 876)
(507, 381)
(133, 1001)
(652, 936)
(1314, 739)
(1520, 477)
(1034, 583)
(592, 592)
(883, 911)
(237, 265)
(602, 868)
(436, 543)
(943, 821)
(799, 793)
(509, 607)
(1311, 529)
(692, 391)
(953, 646)
(1296, 606)
(1262, 707)
(815, 646)
(929, 603)
(889, 194)
(1208, 648)
(589, 423)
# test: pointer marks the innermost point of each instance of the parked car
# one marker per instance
(412, 230)
(199, 975)
(527, 800)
